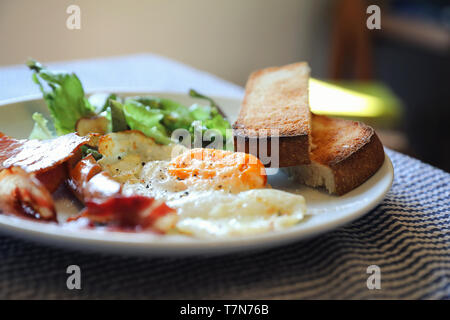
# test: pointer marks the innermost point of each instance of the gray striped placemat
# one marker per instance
(406, 236)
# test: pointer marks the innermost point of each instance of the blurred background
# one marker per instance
(396, 78)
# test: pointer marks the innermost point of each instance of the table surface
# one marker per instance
(407, 236)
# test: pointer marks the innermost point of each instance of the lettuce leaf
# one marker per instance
(143, 118)
(218, 123)
(195, 94)
(118, 120)
(65, 97)
(41, 130)
(215, 119)
(175, 115)
(199, 112)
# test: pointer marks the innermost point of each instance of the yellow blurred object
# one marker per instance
(326, 98)
(359, 100)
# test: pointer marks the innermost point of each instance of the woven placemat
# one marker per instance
(407, 236)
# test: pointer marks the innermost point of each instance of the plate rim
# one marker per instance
(150, 244)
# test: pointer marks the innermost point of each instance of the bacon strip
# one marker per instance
(45, 158)
(23, 195)
(130, 213)
(105, 202)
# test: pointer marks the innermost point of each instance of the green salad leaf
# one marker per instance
(65, 97)
(175, 115)
(195, 94)
(218, 123)
(215, 119)
(143, 118)
(118, 119)
(41, 129)
(202, 113)
(196, 117)
(159, 117)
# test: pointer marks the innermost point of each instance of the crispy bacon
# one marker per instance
(45, 158)
(105, 202)
(30, 169)
(22, 194)
(130, 213)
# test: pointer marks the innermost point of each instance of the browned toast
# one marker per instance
(344, 155)
(276, 102)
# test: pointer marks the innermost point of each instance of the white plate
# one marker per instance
(326, 212)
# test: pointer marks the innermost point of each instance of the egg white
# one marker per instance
(204, 207)
(206, 212)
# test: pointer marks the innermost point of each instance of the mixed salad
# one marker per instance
(72, 111)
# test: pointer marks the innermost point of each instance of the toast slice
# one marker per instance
(344, 155)
(276, 103)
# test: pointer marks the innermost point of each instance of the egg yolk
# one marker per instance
(220, 169)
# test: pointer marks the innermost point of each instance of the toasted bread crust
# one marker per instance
(351, 149)
(276, 103)
(292, 150)
(336, 139)
(354, 170)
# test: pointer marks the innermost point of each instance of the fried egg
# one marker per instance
(216, 193)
